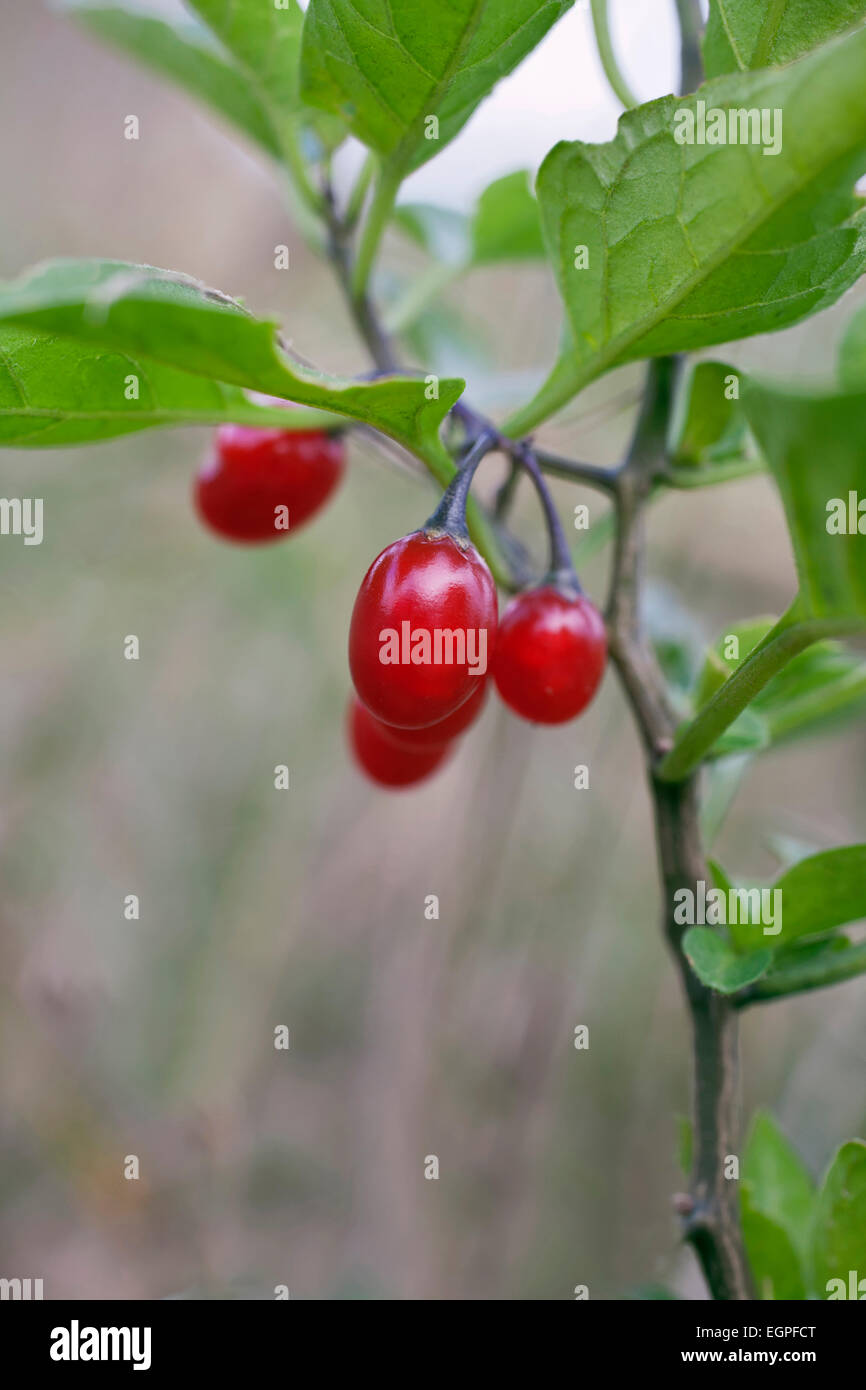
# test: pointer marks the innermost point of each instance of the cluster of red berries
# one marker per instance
(425, 634)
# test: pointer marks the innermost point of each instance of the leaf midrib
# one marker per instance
(402, 155)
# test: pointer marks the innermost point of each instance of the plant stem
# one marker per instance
(562, 572)
(606, 53)
(384, 197)
(691, 63)
(450, 515)
(710, 1216)
(574, 472)
(358, 195)
(297, 167)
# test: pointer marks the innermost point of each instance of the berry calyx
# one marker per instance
(261, 485)
(550, 654)
(423, 629)
(382, 758)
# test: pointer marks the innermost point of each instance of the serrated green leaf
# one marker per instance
(694, 244)
(764, 33)
(186, 54)
(171, 319)
(507, 225)
(54, 391)
(839, 1233)
(391, 71)
(718, 965)
(777, 1272)
(778, 1183)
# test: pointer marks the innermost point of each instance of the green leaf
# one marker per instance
(777, 1272)
(507, 226)
(718, 965)
(815, 691)
(778, 1183)
(54, 391)
(265, 40)
(694, 244)
(794, 431)
(397, 72)
(707, 424)
(810, 965)
(170, 319)
(718, 665)
(839, 1239)
(823, 892)
(764, 33)
(187, 54)
(820, 685)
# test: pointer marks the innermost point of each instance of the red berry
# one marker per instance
(424, 620)
(435, 735)
(255, 475)
(385, 761)
(550, 654)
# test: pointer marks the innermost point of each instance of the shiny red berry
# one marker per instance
(422, 630)
(447, 730)
(258, 477)
(550, 654)
(382, 758)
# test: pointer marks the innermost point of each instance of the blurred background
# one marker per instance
(306, 908)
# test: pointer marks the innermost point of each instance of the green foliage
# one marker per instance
(176, 322)
(718, 965)
(187, 55)
(265, 42)
(689, 244)
(773, 1261)
(793, 430)
(387, 70)
(818, 895)
(819, 686)
(764, 33)
(823, 892)
(839, 1241)
(55, 391)
(506, 226)
(708, 426)
(778, 1184)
